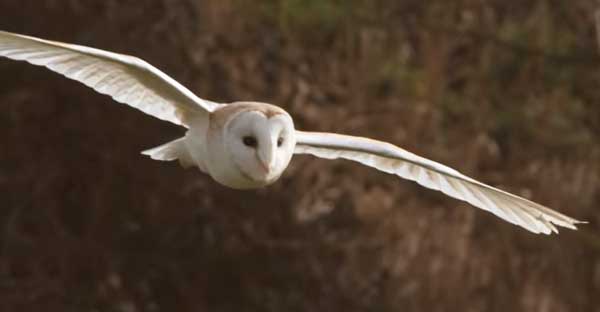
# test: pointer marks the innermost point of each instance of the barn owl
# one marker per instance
(246, 145)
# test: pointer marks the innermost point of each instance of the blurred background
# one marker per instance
(504, 91)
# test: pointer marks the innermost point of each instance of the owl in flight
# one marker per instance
(246, 145)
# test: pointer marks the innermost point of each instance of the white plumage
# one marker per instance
(249, 144)
(126, 79)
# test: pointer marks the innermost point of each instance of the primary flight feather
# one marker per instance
(247, 145)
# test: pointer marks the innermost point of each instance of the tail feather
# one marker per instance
(174, 150)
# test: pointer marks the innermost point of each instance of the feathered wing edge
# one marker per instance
(394, 160)
(127, 79)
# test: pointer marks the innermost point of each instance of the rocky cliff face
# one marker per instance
(504, 92)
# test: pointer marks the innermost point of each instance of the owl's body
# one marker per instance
(246, 145)
(212, 143)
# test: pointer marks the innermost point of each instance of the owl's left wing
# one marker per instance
(392, 159)
(127, 79)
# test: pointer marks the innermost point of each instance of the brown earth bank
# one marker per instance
(505, 91)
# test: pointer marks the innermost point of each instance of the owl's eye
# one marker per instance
(279, 141)
(250, 141)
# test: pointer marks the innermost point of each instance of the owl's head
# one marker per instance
(260, 141)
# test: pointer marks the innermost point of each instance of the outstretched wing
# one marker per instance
(126, 79)
(392, 159)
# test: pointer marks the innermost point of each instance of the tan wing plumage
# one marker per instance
(126, 79)
(392, 159)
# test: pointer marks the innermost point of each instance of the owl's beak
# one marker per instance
(265, 167)
(266, 160)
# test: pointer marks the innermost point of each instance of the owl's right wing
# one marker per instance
(127, 79)
(392, 159)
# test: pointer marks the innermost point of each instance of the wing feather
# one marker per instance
(127, 79)
(392, 159)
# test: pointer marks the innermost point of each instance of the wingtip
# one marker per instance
(149, 154)
(572, 225)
